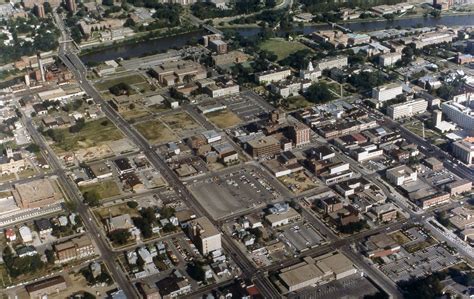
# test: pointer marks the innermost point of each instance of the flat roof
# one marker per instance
(301, 274)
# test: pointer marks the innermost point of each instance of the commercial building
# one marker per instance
(464, 58)
(459, 187)
(433, 200)
(175, 72)
(462, 218)
(389, 58)
(381, 245)
(407, 109)
(323, 269)
(264, 146)
(205, 235)
(220, 88)
(387, 92)
(272, 75)
(434, 164)
(36, 194)
(43, 288)
(367, 152)
(401, 175)
(74, 249)
(282, 218)
(218, 46)
(300, 134)
(464, 150)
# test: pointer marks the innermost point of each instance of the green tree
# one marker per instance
(319, 93)
(120, 236)
(91, 198)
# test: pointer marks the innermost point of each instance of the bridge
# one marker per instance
(340, 27)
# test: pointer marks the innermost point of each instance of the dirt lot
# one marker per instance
(224, 119)
(155, 131)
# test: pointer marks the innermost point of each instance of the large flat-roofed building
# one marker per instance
(460, 113)
(464, 150)
(407, 109)
(300, 134)
(278, 219)
(205, 235)
(387, 92)
(43, 288)
(35, 194)
(458, 187)
(401, 174)
(273, 75)
(332, 62)
(322, 269)
(389, 59)
(175, 72)
(265, 146)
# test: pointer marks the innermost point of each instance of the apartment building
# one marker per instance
(74, 249)
(273, 75)
(407, 109)
(205, 235)
(464, 150)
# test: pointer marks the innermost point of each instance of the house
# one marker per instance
(44, 227)
(25, 234)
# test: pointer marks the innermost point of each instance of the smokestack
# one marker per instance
(41, 68)
(27, 79)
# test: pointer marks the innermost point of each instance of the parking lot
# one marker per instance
(300, 237)
(244, 106)
(233, 191)
(353, 286)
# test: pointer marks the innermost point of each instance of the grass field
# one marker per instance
(105, 189)
(417, 128)
(224, 119)
(94, 133)
(129, 79)
(155, 131)
(133, 115)
(282, 48)
(180, 122)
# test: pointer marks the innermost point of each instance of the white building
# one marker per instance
(211, 136)
(460, 112)
(25, 234)
(387, 92)
(205, 235)
(464, 150)
(272, 75)
(330, 62)
(389, 58)
(367, 153)
(407, 109)
(401, 174)
(310, 73)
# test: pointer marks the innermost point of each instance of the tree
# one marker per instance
(144, 226)
(33, 148)
(132, 204)
(91, 198)
(196, 271)
(50, 256)
(319, 93)
(120, 236)
(167, 212)
(426, 287)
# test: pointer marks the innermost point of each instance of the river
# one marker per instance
(162, 44)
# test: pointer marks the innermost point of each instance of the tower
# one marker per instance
(39, 10)
(41, 67)
(437, 117)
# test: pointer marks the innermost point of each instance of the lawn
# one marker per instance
(105, 189)
(296, 102)
(281, 47)
(224, 119)
(94, 133)
(120, 209)
(155, 131)
(417, 128)
(132, 79)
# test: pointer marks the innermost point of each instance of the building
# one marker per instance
(310, 73)
(176, 72)
(74, 249)
(385, 212)
(264, 146)
(39, 11)
(25, 234)
(43, 288)
(123, 221)
(173, 286)
(300, 134)
(331, 204)
(218, 46)
(290, 87)
(462, 218)
(458, 187)
(433, 200)
(401, 175)
(407, 109)
(149, 291)
(220, 88)
(71, 5)
(11, 162)
(367, 152)
(35, 194)
(270, 76)
(387, 92)
(464, 58)
(282, 218)
(460, 112)
(389, 58)
(203, 233)
(434, 164)
(381, 245)
(332, 62)
(326, 268)
(464, 150)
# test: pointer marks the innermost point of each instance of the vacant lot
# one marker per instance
(180, 122)
(104, 189)
(120, 209)
(131, 79)
(94, 133)
(135, 114)
(282, 48)
(155, 131)
(296, 102)
(224, 119)
(298, 182)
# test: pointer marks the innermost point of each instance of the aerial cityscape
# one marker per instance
(236, 149)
